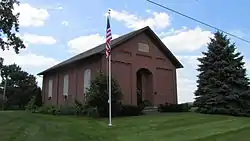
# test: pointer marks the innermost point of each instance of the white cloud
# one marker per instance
(180, 40)
(65, 23)
(149, 11)
(186, 78)
(29, 62)
(38, 39)
(186, 89)
(52, 7)
(30, 16)
(190, 60)
(39, 80)
(59, 7)
(247, 66)
(172, 31)
(84, 43)
(188, 40)
(157, 21)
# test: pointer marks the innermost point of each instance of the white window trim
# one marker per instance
(87, 80)
(50, 88)
(66, 85)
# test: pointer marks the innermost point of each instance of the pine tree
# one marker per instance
(223, 87)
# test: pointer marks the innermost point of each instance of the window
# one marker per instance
(143, 47)
(87, 79)
(66, 85)
(50, 88)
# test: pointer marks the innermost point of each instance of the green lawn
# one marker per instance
(22, 126)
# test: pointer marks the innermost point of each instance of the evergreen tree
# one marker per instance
(97, 95)
(223, 87)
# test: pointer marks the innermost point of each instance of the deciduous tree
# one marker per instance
(9, 26)
(20, 86)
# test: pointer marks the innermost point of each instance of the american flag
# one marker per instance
(108, 37)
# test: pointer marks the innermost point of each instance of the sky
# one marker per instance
(56, 30)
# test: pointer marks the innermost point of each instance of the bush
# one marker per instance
(97, 96)
(144, 104)
(90, 111)
(147, 103)
(67, 110)
(31, 106)
(130, 110)
(48, 109)
(78, 108)
(74, 109)
(167, 107)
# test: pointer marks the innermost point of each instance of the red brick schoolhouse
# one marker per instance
(140, 61)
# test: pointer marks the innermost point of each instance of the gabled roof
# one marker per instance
(101, 49)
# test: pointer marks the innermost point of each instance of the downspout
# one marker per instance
(76, 78)
(101, 61)
(57, 99)
(43, 90)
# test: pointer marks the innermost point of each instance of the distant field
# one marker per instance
(22, 126)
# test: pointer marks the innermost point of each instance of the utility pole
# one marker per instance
(4, 92)
(1, 66)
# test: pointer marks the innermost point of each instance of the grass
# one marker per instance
(22, 126)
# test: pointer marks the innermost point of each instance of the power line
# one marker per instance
(198, 21)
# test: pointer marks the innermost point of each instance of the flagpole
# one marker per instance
(107, 75)
(110, 101)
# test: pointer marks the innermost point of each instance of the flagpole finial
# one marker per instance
(109, 11)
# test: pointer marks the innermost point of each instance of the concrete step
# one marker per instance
(150, 109)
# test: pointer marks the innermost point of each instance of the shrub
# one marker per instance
(48, 109)
(130, 110)
(90, 111)
(67, 110)
(97, 95)
(78, 108)
(141, 106)
(190, 105)
(74, 109)
(31, 106)
(146, 103)
(167, 107)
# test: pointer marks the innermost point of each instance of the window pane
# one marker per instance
(87, 79)
(65, 85)
(50, 88)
